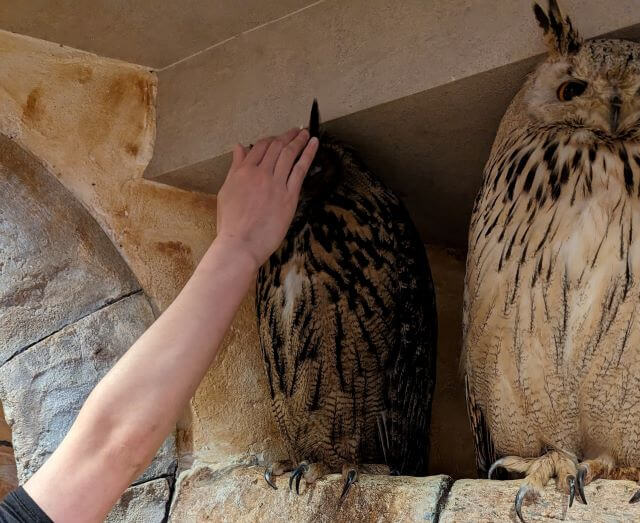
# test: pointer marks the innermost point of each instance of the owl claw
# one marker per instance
(524, 491)
(635, 498)
(297, 474)
(492, 469)
(582, 471)
(352, 476)
(571, 481)
(268, 477)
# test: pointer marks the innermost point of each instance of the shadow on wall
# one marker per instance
(8, 472)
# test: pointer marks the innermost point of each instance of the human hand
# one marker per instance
(259, 197)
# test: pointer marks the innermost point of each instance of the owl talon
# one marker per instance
(635, 498)
(571, 482)
(493, 468)
(297, 474)
(352, 476)
(582, 471)
(268, 477)
(524, 491)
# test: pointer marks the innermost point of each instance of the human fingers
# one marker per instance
(300, 169)
(239, 154)
(257, 152)
(275, 149)
(289, 154)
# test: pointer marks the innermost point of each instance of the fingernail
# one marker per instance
(314, 140)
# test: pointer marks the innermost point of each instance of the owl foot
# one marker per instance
(538, 471)
(350, 475)
(297, 474)
(526, 491)
(276, 469)
(591, 470)
(311, 472)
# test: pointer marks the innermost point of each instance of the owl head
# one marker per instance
(591, 86)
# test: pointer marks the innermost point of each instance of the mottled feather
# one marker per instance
(347, 321)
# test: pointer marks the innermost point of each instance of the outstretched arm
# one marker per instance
(135, 406)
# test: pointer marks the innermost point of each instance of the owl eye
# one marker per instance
(571, 89)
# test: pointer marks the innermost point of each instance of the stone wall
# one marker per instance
(69, 308)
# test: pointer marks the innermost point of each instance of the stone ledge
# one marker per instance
(487, 501)
(239, 493)
(351, 55)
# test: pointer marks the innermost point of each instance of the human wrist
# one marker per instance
(237, 252)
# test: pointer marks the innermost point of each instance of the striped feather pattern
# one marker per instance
(347, 322)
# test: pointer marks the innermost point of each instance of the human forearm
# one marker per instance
(131, 411)
(181, 345)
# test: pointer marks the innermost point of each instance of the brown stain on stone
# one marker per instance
(131, 83)
(32, 110)
(132, 149)
(117, 91)
(181, 255)
(82, 73)
(144, 90)
(173, 248)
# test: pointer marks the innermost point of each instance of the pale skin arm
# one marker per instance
(137, 404)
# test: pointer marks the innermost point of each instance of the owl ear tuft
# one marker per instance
(314, 120)
(561, 37)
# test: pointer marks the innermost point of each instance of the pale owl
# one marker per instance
(552, 295)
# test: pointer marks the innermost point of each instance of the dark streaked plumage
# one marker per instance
(347, 321)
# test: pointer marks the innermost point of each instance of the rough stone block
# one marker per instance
(239, 493)
(56, 264)
(144, 503)
(43, 388)
(485, 501)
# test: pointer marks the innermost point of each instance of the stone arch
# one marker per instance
(69, 308)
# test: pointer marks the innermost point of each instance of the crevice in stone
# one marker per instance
(172, 489)
(171, 478)
(442, 499)
(64, 326)
(167, 476)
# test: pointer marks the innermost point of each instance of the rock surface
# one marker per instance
(43, 388)
(239, 493)
(144, 503)
(56, 264)
(485, 501)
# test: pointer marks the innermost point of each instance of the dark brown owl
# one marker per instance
(347, 321)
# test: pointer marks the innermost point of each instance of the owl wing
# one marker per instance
(485, 450)
(411, 364)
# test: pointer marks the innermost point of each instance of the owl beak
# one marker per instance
(616, 105)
